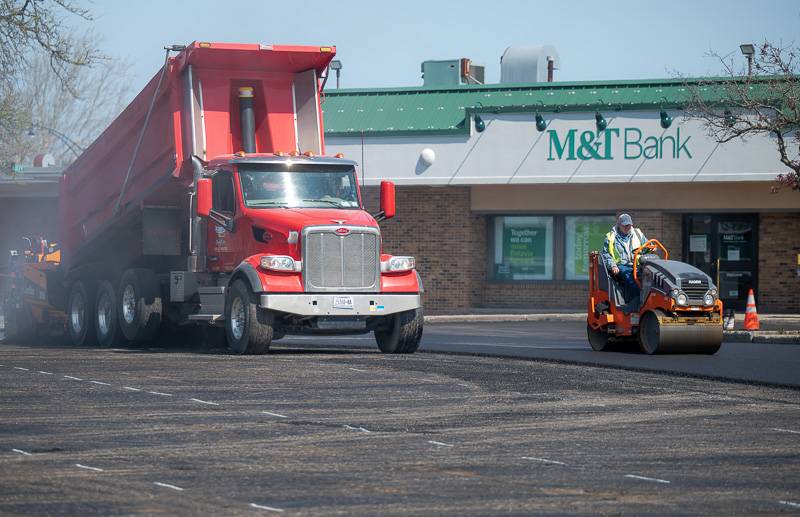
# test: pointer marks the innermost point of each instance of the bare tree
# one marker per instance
(64, 121)
(29, 28)
(766, 102)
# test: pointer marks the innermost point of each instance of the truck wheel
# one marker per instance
(107, 324)
(248, 329)
(598, 338)
(139, 303)
(402, 333)
(80, 314)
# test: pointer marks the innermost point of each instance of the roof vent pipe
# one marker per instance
(550, 67)
(248, 119)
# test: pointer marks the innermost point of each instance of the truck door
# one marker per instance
(223, 245)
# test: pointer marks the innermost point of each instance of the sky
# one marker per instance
(383, 43)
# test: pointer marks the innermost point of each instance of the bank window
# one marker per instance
(583, 234)
(523, 248)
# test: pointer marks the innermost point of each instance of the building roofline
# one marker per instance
(555, 85)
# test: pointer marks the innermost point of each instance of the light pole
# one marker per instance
(748, 50)
(337, 65)
(73, 146)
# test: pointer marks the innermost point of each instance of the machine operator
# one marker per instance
(620, 243)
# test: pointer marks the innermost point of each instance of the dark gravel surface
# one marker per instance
(315, 430)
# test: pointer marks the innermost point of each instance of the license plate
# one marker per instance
(343, 302)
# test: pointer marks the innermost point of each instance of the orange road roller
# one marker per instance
(677, 312)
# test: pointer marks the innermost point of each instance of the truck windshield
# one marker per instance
(304, 186)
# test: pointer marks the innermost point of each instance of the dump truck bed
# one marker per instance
(194, 112)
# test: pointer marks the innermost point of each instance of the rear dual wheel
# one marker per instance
(81, 313)
(139, 305)
(107, 327)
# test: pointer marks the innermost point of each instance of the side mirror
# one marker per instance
(204, 197)
(387, 199)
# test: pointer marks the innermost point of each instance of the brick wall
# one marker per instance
(778, 246)
(435, 225)
(543, 296)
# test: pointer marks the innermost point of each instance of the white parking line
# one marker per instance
(159, 393)
(789, 503)
(643, 478)
(356, 370)
(543, 460)
(130, 389)
(440, 444)
(21, 368)
(45, 373)
(785, 430)
(100, 383)
(274, 414)
(167, 485)
(70, 377)
(20, 451)
(268, 508)
(88, 467)
(361, 429)
(205, 402)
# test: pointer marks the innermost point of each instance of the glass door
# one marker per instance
(724, 246)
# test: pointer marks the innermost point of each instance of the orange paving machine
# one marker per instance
(26, 304)
(678, 311)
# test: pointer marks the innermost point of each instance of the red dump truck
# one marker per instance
(210, 201)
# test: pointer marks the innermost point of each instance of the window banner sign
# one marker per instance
(526, 249)
(584, 234)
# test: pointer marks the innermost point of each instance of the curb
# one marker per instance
(791, 337)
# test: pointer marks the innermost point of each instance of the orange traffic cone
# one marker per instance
(750, 314)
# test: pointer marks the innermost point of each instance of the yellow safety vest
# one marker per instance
(637, 239)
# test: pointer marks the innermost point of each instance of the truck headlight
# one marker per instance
(396, 264)
(710, 297)
(681, 298)
(279, 263)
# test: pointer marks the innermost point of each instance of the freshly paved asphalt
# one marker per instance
(566, 341)
(332, 427)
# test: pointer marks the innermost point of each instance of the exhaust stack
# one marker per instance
(248, 119)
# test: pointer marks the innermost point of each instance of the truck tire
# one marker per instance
(248, 328)
(402, 334)
(139, 305)
(107, 325)
(80, 314)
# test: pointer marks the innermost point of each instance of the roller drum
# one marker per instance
(658, 334)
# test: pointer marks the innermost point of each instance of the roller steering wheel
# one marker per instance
(651, 246)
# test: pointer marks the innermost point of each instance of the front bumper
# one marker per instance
(324, 304)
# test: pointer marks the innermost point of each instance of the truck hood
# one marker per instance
(285, 220)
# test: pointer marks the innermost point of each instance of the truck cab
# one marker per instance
(290, 238)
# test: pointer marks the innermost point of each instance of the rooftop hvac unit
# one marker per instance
(451, 72)
(529, 64)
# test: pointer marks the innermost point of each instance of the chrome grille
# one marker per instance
(342, 263)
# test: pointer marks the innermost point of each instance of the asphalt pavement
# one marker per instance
(770, 363)
(332, 427)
